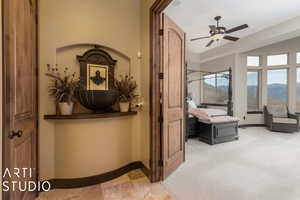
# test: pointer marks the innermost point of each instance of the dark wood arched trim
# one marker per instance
(98, 179)
(98, 56)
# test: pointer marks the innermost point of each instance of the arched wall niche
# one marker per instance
(98, 137)
(93, 45)
(66, 57)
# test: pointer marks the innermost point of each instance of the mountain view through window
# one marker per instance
(277, 86)
(253, 90)
(215, 88)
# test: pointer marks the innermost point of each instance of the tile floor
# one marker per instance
(131, 186)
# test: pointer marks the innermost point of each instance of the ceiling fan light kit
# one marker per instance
(217, 32)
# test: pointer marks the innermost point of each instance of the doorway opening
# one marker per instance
(167, 93)
(239, 62)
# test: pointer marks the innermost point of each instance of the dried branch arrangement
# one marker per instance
(63, 85)
(126, 86)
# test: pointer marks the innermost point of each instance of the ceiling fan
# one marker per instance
(218, 32)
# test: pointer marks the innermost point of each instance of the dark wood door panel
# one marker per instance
(173, 96)
(24, 66)
(174, 138)
(20, 81)
(175, 68)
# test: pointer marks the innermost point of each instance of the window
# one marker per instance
(253, 61)
(209, 88)
(298, 58)
(253, 86)
(215, 88)
(298, 91)
(222, 87)
(276, 60)
(277, 86)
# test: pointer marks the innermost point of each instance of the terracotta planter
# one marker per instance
(124, 106)
(66, 108)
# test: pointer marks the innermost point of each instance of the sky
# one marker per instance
(278, 76)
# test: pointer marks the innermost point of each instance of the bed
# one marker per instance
(213, 128)
(211, 124)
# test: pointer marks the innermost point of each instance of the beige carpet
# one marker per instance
(132, 186)
(262, 165)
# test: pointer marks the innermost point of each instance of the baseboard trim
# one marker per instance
(251, 125)
(94, 180)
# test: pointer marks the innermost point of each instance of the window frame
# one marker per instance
(297, 67)
(278, 54)
(259, 95)
(259, 61)
(297, 64)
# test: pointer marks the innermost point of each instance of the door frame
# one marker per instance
(5, 111)
(155, 106)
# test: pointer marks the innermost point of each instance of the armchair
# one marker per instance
(277, 118)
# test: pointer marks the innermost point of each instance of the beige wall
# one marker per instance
(89, 147)
(145, 77)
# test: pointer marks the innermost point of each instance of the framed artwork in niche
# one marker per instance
(97, 77)
(97, 69)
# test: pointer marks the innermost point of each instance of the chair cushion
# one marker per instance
(284, 120)
(278, 110)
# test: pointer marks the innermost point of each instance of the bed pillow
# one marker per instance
(191, 104)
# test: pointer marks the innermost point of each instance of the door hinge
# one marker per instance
(161, 75)
(161, 163)
(37, 123)
(36, 19)
(161, 32)
(160, 119)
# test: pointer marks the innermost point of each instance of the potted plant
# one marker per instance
(127, 87)
(62, 88)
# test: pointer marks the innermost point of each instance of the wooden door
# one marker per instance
(20, 76)
(173, 105)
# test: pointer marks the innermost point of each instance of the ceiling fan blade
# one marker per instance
(199, 38)
(238, 28)
(227, 37)
(212, 41)
(212, 28)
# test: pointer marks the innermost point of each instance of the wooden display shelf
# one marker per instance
(89, 115)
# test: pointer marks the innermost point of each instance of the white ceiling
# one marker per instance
(194, 16)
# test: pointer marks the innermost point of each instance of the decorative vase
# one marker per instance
(124, 106)
(66, 108)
